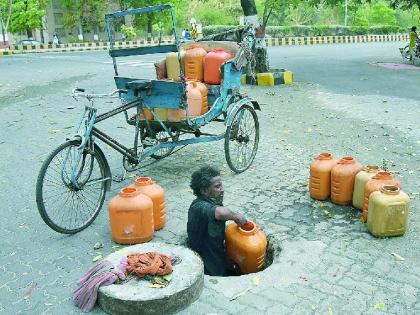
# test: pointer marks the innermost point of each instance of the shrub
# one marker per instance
(383, 29)
(300, 30)
(128, 32)
(279, 30)
(358, 30)
(215, 29)
(72, 39)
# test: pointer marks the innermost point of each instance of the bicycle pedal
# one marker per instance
(119, 178)
(149, 142)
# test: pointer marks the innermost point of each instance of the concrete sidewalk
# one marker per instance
(325, 260)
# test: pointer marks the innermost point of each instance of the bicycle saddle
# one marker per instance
(139, 85)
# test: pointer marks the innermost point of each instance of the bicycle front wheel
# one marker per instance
(64, 207)
(241, 139)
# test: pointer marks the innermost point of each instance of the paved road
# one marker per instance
(325, 260)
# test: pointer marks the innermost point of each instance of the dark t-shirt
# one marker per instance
(206, 235)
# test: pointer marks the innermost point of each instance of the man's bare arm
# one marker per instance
(225, 214)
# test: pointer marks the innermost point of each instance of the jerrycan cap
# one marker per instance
(371, 168)
(347, 160)
(324, 156)
(383, 175)
(193, 46)
(129, 192)
(390, 189)
(143, 181)
(248, 228)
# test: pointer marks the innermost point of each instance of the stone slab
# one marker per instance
(137, 297)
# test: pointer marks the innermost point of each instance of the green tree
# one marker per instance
(361, 18)
(87, 15)
(5, 14)
(25, 15)
(382, 14)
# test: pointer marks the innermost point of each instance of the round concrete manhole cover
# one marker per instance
(137, 297)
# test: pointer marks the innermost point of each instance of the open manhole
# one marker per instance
(271, 255)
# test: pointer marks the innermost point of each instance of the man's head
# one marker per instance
(206, 182)
(414, 29)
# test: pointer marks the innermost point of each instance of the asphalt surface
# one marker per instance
(325, 260)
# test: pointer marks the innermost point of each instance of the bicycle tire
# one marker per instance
(96, 205)
(237, 135)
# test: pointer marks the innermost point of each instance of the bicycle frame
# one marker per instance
(85, 130)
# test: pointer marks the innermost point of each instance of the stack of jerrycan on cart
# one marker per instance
(201, 70)
(246, 246)
(137, 211)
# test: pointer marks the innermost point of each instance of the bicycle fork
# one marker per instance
(89, 118)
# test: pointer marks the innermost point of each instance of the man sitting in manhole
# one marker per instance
(206, 222)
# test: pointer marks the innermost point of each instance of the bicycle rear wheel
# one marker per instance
(63, 207)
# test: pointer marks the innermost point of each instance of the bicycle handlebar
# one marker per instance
(78, 92)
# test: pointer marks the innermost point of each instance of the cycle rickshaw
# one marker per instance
(73, 180)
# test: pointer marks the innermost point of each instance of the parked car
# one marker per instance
(28, 42)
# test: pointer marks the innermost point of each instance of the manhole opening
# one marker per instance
(271, 255)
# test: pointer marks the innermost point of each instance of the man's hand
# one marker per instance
(240, 219)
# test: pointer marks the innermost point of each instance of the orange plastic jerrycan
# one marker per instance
(212, 62)
(194, 100)
(388, 212)
(360, 182)
(148, 187)
(320, 176)
(193, 62)
(246, 246)
(194, 103)
(342, 180)
(374, 184)
(147, 113)
(131, 217)
(204, 100)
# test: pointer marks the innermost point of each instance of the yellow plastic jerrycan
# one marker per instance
(388, 212)
(172, 65)
(360, 182)
(246, 246)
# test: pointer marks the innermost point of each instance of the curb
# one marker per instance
(314, 40)
(274, 77)
(271, 41)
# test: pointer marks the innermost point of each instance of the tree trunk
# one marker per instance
(251, 18)
(149, 28)
(80, 31)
